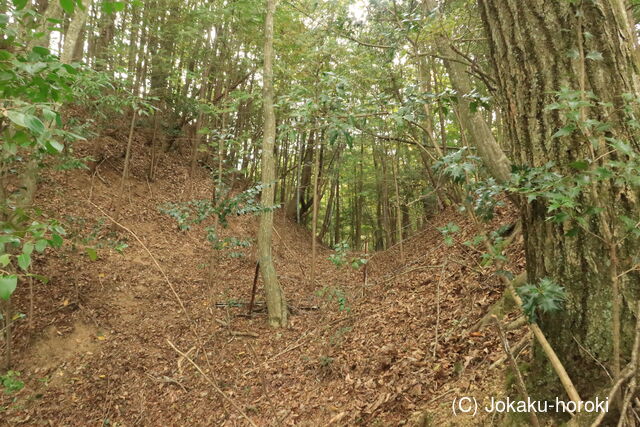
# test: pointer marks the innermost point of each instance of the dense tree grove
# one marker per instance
(361, 121)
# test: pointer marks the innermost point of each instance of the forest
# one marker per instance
(320, 212)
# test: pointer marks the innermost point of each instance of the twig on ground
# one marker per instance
(265, 388)
(192, 324)
(213, 384)
(514, 365)
(515, 350)
(435, 345)
(633, 385)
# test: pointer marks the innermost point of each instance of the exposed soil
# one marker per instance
(101, 347)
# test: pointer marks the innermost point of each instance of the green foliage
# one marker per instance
(18, 240)
(547, 297)
(33, 84)
(340, 257)
(566, 190)
(98, 237)
(195, 212)
(458, 165)
(228, 243)
(465, 170)
(332, 293)
(448, 231)
(8, 286)
(10, 382)
(495, 254)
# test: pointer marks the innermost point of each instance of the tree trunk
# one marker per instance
(73, 33)
(314, 220)
(394, 171)
(276, 304)
(53, 11)
(472, 121)
(532, 65)
(328, 212)
(337, 225)
(357, 226)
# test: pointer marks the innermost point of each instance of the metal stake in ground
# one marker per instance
(253, 290)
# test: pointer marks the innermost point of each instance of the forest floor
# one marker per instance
(100, 348)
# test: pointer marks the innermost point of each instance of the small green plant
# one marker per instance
(325, 361)
(195, 212)
(356, 262)
(228, 243)
(547, 296)
(339, 257)
(337, 338)
(448, 231)
(97, 238)
(17, 243)
(10, 382)
(331, 293)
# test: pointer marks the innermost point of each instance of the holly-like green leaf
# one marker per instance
(594, 55)
(564, 131)
(8, 284)
(579, 165)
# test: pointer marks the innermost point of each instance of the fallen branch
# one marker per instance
(516, 324)
(626, 373)
(435, 346)
(514, 365)
(551, 355)
(213, 384)
(515, 350)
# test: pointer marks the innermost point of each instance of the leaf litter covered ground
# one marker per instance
(107, 335)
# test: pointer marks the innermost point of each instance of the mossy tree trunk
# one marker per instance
(539, 47)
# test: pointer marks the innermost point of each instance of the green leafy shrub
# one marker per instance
(547, 297)
(10, 382)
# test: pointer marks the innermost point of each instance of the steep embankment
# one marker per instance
(101, 347)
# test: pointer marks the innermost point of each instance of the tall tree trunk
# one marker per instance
(394, 171)
(276, 304)
(472, 121)
(337, 225)
(357, 226)
(314, 220)
(328, 212)
(73, 32)
(53, 11)
(530, 67)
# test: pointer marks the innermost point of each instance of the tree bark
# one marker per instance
(276, 304)
(529, 44)
(73, 33)
(472, 121)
